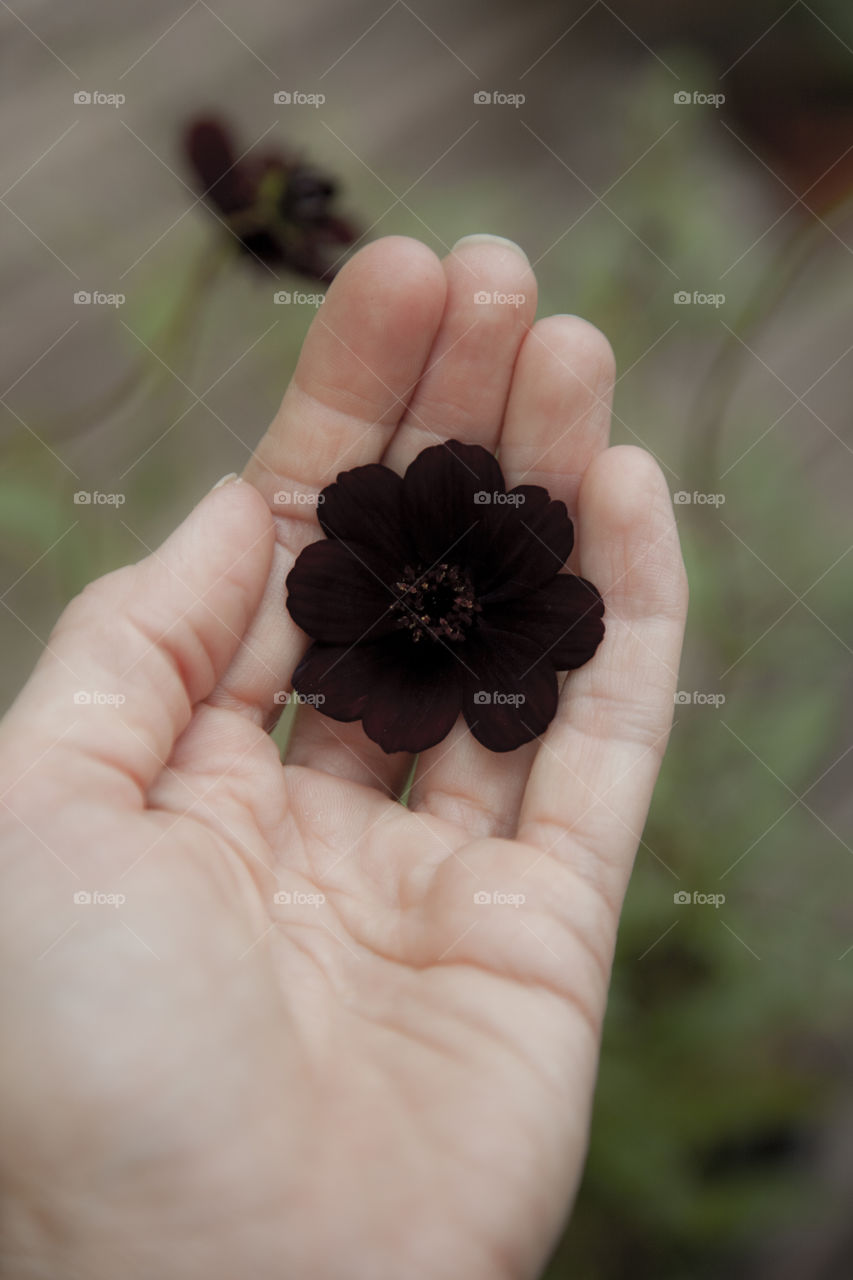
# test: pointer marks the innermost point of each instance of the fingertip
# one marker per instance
(364, 352)
(579, 342)
(625, 486)
(398, 272)
(391, 250)
(240, 510)
(558, 415)
(227, 539)
(219, 557)
(497, 242)
(627, 533)
(496, 275)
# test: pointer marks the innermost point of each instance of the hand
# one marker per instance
(380, 1078)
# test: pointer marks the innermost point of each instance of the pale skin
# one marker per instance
(396, 1081)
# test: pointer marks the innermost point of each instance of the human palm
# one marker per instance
(304, 1045)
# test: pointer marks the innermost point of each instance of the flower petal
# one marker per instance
(224, 180)
(337, 678)
(405, 704)
(365, 505)
(337, 592)
(439, 497)
(413, 706)
(564, 618)
(521, 545)
(510, 693)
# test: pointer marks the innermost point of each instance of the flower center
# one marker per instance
(437, 602)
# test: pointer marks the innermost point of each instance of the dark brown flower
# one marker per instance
(440, 593)
(280, 209)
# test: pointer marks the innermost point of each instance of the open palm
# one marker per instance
(299, 1029)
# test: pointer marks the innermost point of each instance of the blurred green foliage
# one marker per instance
(727, 1026)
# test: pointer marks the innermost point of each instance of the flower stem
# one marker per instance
(174, 338)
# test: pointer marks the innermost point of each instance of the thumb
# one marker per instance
(136, 650)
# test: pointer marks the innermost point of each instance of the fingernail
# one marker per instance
(231, 478)
(482, 238)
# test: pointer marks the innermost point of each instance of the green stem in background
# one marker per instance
(173, 339)
(716, 391)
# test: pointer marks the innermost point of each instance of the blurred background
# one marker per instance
(680, 175)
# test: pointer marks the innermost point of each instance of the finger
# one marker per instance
(558, 415)
(139, 648)
(557, 420)
(361, 359)
(363, 354)
(591, 783)
(364, 351)
(462, 393)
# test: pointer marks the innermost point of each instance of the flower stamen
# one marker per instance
(437, 602)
